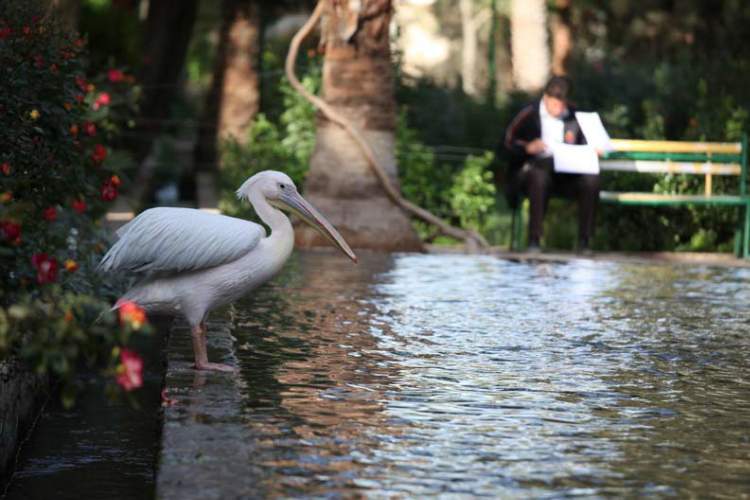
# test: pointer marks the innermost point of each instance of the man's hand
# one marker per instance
(535, 147)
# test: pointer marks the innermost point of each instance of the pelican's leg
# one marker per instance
(201, 352)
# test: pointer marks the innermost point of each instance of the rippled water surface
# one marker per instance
(460, 376)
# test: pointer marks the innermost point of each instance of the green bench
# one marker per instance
(708, 159)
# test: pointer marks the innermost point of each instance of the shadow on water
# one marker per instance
(419, 375)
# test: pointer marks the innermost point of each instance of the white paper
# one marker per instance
(572, 159)
(594, 131)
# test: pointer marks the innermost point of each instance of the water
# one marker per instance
(464, 376)
(100, 448)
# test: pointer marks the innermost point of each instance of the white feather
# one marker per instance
(172, 240)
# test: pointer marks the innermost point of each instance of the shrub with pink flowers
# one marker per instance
(59, 173)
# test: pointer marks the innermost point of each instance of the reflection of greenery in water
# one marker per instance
(465, 375)
(100, 448)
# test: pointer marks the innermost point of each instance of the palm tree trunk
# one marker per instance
(562, 37)
(357, 82)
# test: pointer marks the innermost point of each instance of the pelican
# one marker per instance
(190, 262)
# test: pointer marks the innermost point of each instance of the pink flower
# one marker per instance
(108, 191)
(115, 75)
(102, 100)
(89, 128)
(130, 370)
(10, 231)
(82, 83)
(50, 214)
(46, 268)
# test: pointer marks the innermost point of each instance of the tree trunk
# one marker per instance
(472, 21)
(168, 29)
(562, 37)
(357, 82)
(530, 52)
(233, 100)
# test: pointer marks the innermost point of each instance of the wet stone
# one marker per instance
(204, 444)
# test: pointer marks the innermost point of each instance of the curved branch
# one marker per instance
(472, 238)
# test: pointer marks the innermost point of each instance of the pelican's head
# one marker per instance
(279, 190)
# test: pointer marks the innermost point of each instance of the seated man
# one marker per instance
(529, 138)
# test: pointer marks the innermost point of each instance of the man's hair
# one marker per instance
(558, 87)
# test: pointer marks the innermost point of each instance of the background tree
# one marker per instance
(167, 33)
(233, 99)
(358, 83)
(562, 36)
(531, 57)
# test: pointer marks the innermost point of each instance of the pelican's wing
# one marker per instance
(169, 239)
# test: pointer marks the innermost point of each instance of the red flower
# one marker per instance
(101, 100)
(38, 61)
(46, 268)
(82, 83)
(5, 168)
(130, 370)
(79, 206)
(90, 128)
(50, 214)
(10, 231)
(115, 181)
(115, 75)
(5, 32)
(74, 130)
(131, 314)
(108, 191)
(99, 154)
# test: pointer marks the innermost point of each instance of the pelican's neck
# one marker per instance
(271, 216)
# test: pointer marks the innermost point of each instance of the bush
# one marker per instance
(59, 175)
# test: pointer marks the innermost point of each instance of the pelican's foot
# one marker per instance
(217, 367)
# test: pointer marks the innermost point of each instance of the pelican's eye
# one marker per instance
(282, 186)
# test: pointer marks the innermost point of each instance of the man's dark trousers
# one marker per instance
(538, 181)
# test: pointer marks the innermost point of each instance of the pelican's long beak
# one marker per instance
(293, 201)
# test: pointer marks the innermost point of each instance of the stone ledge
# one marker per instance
(22, 394)
(203, 429)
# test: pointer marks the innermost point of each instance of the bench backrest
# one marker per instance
(680, 157)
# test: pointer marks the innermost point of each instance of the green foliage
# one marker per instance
(285, 147)
(424, 181)
(58, 177)
(464, 196)
(472, 195)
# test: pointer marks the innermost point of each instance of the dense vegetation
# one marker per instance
(59, 175)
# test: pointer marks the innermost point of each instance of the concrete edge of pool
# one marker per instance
(195, 457)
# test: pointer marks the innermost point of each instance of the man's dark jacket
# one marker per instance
(525, 127)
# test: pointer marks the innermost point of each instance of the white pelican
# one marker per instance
(191, 262)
